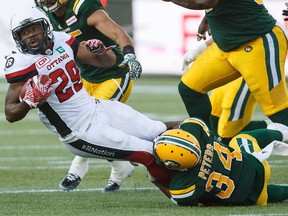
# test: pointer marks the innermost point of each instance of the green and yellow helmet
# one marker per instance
(50, 5)
(177, 149)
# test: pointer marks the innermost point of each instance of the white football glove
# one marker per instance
(135, 68)
(191, 55)
(97, 46)
(37, 91)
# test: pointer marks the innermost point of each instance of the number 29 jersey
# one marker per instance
(66, 110)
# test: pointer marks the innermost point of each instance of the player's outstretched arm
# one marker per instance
(87, 55)
(102, 22)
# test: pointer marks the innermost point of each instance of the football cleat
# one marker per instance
(70, 182)
(111, 187)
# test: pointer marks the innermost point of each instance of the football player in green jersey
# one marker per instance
(248, 43)
(208, 172)
(233, 104)
(86, 20)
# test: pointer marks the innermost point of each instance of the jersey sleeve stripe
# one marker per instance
(77, 6)
(22, 75)
(183, 191)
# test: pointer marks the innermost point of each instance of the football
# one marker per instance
(35, 82)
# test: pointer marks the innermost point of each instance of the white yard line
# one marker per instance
(76, 190)
(255, 214)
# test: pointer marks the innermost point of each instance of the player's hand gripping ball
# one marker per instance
(36, 90)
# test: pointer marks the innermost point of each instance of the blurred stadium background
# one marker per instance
(162, 31)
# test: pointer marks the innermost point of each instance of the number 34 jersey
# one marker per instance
(64, 110)
(223, 176)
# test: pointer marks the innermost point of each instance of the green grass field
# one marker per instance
(33, 161)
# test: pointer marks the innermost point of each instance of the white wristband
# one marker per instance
(201, 47)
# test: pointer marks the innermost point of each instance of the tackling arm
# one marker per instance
(106, 59)
(100, 20)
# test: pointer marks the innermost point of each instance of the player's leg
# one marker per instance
(209, 71)
(232, 110)
(253, 141)
(283, 129)
(118, 89)
(269, 54)
(119, 172)
(277, 193)
(249, 142)
(128, 120)
(237, 108)
(78, 169)
(119, 132)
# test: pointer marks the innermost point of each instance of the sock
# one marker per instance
(197, 104)
(280, 117)
(120, 171)
(79, 166)
(264, 136)
(255, 125)
(277, 193)
(214, 123)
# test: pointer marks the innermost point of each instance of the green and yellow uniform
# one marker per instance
(103, 83)
(230, 33)
(225, 175)
(233, 105)
(248, 43)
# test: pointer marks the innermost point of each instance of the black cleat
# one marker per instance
(70, 182)
(111, 187)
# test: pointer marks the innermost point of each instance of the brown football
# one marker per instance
(42, 78)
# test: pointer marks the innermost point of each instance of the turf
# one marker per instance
(33, 161)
